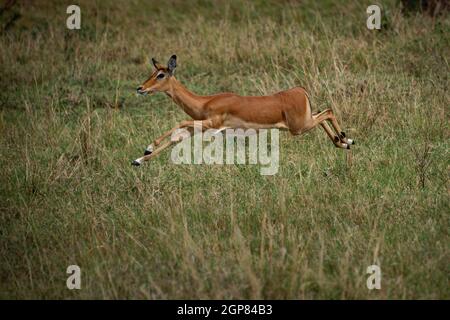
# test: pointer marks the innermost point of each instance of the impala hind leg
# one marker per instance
(321, 118)
(338, 129)
(329, 115)
(314, 120)
(337, 142)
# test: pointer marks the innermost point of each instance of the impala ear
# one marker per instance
(156, 64)
(172, 64)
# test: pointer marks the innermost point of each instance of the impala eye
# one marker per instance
(160, 76)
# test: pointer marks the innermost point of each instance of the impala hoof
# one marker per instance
(136, 163)
(149, 150)
(351, 141)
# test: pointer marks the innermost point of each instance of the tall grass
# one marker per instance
(70, 123)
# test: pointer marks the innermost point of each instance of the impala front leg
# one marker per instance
(139, 161)
(205, 124)
(149, 150)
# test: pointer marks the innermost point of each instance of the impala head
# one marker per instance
(160, 78)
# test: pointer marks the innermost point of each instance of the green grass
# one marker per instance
(70, 123)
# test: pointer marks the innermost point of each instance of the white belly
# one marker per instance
(236, 123)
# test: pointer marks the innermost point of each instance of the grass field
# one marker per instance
(70, 123)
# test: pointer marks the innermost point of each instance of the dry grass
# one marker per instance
(70, 123)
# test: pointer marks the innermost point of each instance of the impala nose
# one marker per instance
(139, 89)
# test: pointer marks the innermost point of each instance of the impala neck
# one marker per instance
(191, 103)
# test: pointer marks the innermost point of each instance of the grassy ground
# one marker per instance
(70, 123)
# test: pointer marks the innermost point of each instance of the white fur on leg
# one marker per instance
(221, 129)
(350, 141)
(149, 148)
(137, 162)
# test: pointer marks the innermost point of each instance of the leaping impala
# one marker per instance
(286, 110)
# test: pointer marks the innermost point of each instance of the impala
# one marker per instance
(286, 110)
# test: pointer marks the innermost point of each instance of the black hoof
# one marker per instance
(147, 152)
(348, 146)
(135, 163)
